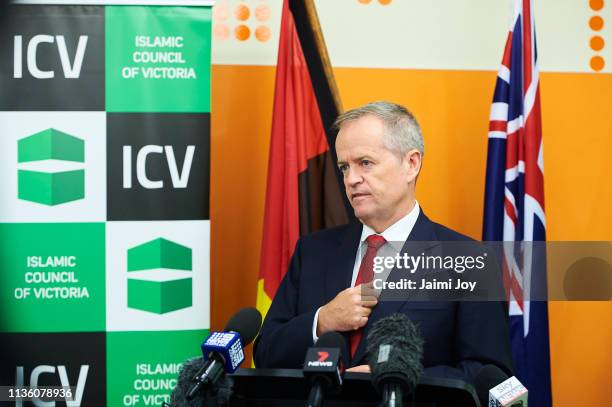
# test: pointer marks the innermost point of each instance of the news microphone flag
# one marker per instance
(304, 192)
(514, 200)
(226, 344)
(509, 393)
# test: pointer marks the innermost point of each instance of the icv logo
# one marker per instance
(179, 179)
(72, 400)
(160, 278)
(72, 70)
(50, 173)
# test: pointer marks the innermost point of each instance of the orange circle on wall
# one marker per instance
(596, 4)
(597, 43)
(596, 23)
(220, 31)
(384, 2)
(364, 1)
(242, 12)
(597, 63)
(262, 12)
(242, 32)
(263, 33)
(220, 11)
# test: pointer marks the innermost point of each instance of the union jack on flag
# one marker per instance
(514, 200)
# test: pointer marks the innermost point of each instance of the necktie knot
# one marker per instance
(375, 241)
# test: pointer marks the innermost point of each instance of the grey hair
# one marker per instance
(402, 131)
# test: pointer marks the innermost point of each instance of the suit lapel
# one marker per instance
(419, 240)
(339, 271)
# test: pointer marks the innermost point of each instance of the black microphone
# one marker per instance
(223, 352)
(487, 377)
(395, 350)
(324, 366)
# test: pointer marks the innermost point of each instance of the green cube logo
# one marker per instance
(50, 178)
(160, 279)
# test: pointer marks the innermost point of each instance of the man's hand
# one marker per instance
(359, 369)
(348, 311)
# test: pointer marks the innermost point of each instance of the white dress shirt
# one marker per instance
(395, 235)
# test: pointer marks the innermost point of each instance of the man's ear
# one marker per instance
(413, 161)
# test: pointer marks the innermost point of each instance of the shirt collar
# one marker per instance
(398, 232)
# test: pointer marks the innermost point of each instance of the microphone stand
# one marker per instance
(315, 398)
(392, 395)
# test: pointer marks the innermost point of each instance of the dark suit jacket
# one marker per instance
(460, 337)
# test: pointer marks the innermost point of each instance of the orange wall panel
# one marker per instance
(241, 119)
(577, 127)
(581, 353)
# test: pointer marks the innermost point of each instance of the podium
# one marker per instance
(287, 387)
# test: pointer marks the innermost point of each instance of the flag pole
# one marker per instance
(322, 75)
(317, 33)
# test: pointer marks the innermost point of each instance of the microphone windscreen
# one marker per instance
(217, 396)
(395, 350)
(488, 377)
(179, 394)
(335, 340)
(223, 392)
(246, 322)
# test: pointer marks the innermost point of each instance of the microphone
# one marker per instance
(509, 393)
(324, 366)
(222, 351)
(395, 350)
(487, 377)
(178, 397)
(219, 397)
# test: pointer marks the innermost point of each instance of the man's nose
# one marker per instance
(352, 177)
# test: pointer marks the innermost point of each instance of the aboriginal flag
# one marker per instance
(304, 192)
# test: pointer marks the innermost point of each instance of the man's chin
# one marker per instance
(362, 214)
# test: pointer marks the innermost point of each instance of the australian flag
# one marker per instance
(514, 201)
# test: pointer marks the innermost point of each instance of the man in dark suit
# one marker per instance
(380, 151)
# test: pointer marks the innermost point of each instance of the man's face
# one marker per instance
(378, 183)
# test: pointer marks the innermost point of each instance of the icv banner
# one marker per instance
(104, 196)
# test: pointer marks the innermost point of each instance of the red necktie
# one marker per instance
(365, 275)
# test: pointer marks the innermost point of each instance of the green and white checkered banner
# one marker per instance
(104, 197)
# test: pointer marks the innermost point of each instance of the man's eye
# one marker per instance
(343, 167)
(366, 163)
